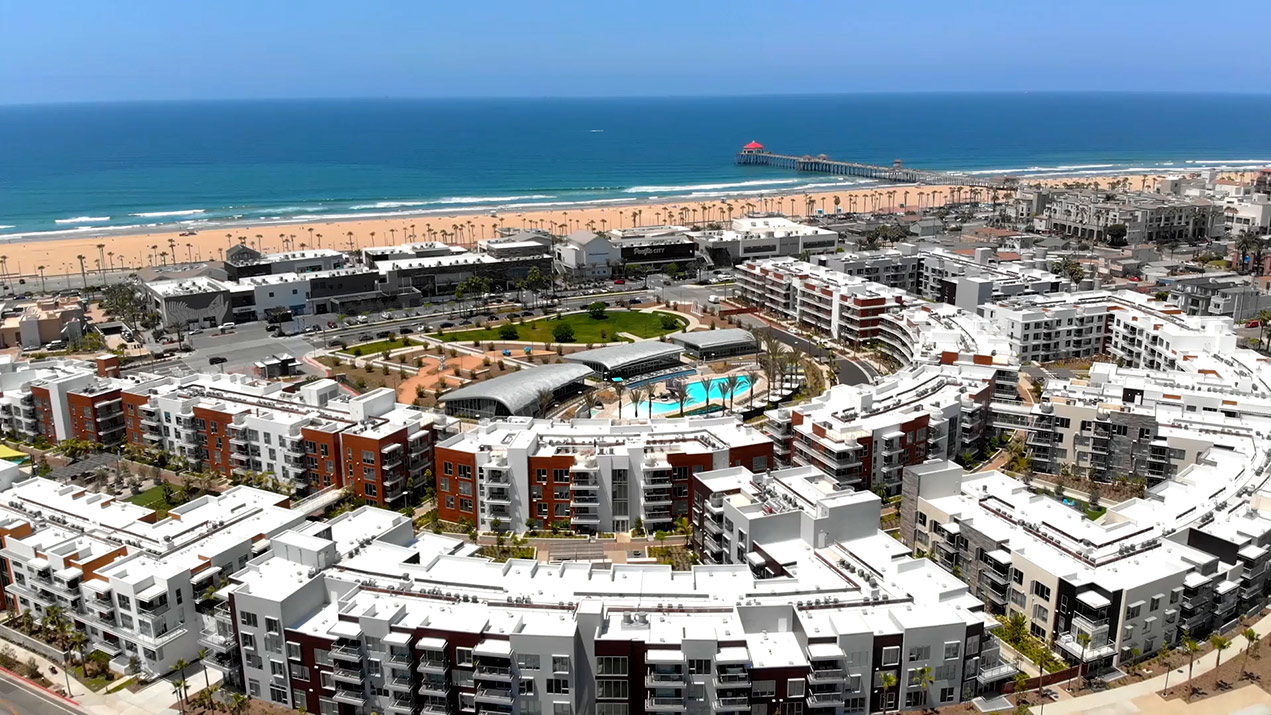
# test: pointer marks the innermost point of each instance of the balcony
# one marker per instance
(495, 695)
(494, 672)
(434, 687)
(348, 675)
(663, 704)
(431, 664)
(999, 671)
(732, 680)
(401, 705)
(827, 675)
(832, 698)
(399, 683)
(216, 640)
(655, 679)
(350, 697)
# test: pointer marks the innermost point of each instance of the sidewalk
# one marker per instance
(1119, 699)
(155, 699)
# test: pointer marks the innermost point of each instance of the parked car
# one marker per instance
(447, 324)
(620, 282)
(332, 324)
(406, 330)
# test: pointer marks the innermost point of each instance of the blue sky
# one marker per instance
(147, 49)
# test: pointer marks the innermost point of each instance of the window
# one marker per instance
(795, 687)
(248, 640)
(891, 655)
(1133, 611)
(368, 457)
(558, 686)
(606, 665)
(293, 651)
(951, 650)
(247, 618)
(277, 694)
(463, 656)
(1017, 576)
(1156, 604)
(529, 661)
(326, 679)
(328, 707)
(921, 652)
(253, 688)
(126, 603)
(1041, 590)
(922, 519)
(299, 672)
(443, 484)
(1040, 612)
(562, 709)
(277, 669)
(611, 709)
(611, 689)
(764, 688)
(946, 695)
(447, 468)
(699, 666)
(272, 625)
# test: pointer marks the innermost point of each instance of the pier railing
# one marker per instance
(824, 165)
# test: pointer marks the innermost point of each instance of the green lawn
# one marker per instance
(152, 498)
(377, 347)
(586, 328)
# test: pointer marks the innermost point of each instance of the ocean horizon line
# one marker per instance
(621, 97)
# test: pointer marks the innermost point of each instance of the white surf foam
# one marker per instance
(160, 214)
(707, 187)
(83, 219)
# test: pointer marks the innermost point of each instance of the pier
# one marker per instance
(754, 153)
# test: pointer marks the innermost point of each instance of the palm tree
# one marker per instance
(589, 402)
(1251, 642)
(728, 388)
(178, 689)
(889, 682)
(1165, 654)
(750, 374)
(925, 679)
(637, 396)
(680, 392)
(705, 383)
(79, 644)
(83, 273)
(43, 289)
(207, 680)
(1084, 640)
(619, 388)
(1192, 648)
(1220, 643)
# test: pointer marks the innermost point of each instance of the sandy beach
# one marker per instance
(60, 255)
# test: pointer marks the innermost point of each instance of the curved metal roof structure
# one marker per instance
(715, 338)
(520, 390)
(616, 357)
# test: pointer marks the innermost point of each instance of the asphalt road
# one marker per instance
(851, 372)
(17, 698)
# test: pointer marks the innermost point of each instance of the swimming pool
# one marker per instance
(696, 397)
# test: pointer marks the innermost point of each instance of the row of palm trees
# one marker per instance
(1252, 249)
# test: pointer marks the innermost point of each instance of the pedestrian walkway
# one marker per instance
(156, 699)
(1125, 699)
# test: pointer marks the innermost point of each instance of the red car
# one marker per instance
(619, 282)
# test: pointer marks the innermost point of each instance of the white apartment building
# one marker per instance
(844, 307)
(361, 615)
(139, 588)
(862, 436)
(1148, 217)
(753, 238)
(315, 438)
(1135, 579)
(589, 475)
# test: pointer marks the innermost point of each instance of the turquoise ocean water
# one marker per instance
(131, 167)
